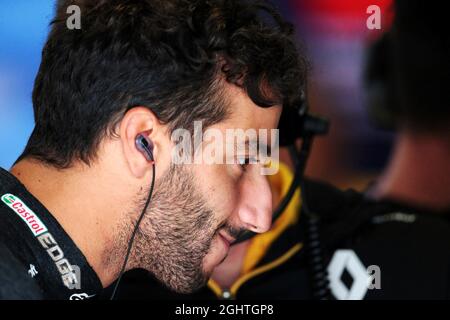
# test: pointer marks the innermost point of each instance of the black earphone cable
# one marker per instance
(133, 235)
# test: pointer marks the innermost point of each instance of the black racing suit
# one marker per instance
(406, 250)
(38, 260)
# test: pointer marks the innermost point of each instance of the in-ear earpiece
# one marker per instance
(145, 145)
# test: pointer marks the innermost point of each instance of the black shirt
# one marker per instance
(38, 258)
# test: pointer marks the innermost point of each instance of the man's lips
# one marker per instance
(228, 239)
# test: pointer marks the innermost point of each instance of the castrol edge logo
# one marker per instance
(45, 238)
(26, 214)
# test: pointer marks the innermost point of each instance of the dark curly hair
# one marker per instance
(168, 55)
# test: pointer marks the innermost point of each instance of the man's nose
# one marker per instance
(255, 211)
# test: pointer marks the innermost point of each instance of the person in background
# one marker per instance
(407, 79)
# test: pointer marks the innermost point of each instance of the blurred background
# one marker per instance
(334, 33)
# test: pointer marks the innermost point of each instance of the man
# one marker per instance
(392, 242)
(107, 99)
(409, 66)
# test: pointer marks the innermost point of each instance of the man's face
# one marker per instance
(198, 210)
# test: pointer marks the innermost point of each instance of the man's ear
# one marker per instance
(139, 120)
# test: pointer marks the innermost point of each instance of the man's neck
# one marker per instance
(418, 173)
(76, 198)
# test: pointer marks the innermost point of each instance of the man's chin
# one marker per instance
(191, 288)
(202, 280)
(191, 282)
